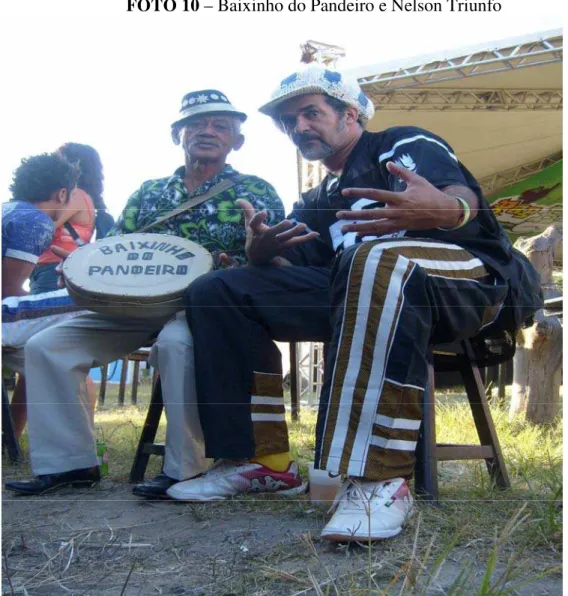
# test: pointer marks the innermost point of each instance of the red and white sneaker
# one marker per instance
(228, 478)
(369, 511)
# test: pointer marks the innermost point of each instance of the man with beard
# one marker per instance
(62, 442)
(407, 253)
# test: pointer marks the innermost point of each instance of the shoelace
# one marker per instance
(354, 493)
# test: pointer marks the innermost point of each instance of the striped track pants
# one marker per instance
(390, 300)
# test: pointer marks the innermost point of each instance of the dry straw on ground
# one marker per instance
(104, 541)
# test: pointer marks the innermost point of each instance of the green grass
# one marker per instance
(496, 541)
(533, 453)
(510, 526)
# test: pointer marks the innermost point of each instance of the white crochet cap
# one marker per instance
(317, 79)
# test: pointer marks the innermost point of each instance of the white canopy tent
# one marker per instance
(499, 105)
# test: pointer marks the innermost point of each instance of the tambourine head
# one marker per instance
(137, 275)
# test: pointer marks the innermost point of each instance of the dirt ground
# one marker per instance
(106, 541)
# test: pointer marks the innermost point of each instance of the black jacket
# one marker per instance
(430, 157)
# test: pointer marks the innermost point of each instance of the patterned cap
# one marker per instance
(208, 101)
(317, 79)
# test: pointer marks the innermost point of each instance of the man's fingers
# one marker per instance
(60, 252)
(256, 222)
(296, 230)
(381, 196)
(258, 226)
(248, 210)
(281, 227)
(402, 172)
(299, 240)
(370, 214)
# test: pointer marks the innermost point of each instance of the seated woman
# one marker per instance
(42, 187)
(75, 225)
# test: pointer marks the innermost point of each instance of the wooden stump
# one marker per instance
(536, 377)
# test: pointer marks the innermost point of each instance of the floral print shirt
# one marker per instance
(216, 224)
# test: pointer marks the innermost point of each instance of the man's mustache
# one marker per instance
(301, 138)
(206, 139)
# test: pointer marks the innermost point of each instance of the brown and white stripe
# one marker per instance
(441, 260)
(395, 431)
(268, 414)
(362, 355)
(370, 421)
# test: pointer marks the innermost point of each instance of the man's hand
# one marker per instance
(263, 242)
(62, 254)
(421, 206)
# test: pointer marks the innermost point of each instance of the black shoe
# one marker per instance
(82, 478)
(155, 488)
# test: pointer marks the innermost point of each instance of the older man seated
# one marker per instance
(62, 441)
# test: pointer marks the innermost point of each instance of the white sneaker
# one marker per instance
(228, 478)
(369, 511)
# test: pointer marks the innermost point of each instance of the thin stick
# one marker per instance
(128, 578)
(8, 574)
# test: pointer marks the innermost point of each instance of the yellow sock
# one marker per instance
(278, 462)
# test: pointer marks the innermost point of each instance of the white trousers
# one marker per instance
(60, 421)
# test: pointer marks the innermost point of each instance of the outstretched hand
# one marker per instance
(264, 243)
(421, 206)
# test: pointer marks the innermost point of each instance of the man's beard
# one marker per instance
(321, 151)
(311, 151)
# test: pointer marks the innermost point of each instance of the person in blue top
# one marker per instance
(41, 188)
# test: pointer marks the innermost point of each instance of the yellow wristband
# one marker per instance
(465, 217)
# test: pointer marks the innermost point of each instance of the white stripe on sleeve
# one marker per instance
(390, 153)
(21, 255)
